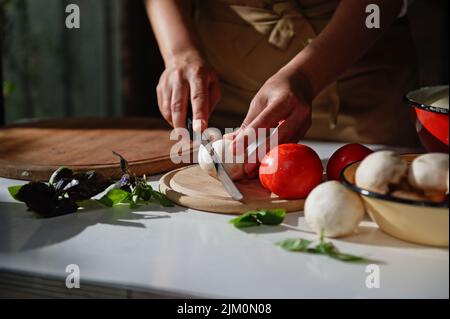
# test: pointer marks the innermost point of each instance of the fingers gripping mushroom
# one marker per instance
(429, 172)
(234, 165)
(333, 209)
(379, 170)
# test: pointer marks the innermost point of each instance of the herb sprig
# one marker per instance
(323, 248)
(66, 191)
(133, 190)
(276, 217)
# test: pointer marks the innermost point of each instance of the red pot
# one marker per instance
(431, 121)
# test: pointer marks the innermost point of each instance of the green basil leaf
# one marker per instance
(331, 250)
(137, 190)
(114, 197)
(346, 257)
(245, 220)
(326, 248)
(126, 200)
(295, 244)
(257, 217)
(314, 250)
(271, 216)
(144, 192)
(162, 199)
(14, 190)
(323, 248)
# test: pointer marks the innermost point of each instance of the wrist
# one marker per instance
(300, 81)
(185, 55)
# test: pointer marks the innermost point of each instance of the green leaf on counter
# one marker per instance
(143, 191)
(245, 220)
(326, 248)
(295, 244)
(323, 247)
(13, 191)
(347, 257)
(114, 197)
(270, 217)
(162, 199)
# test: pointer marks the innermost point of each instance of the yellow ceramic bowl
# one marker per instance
(415, 221)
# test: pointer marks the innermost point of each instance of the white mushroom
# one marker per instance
(233, 164)
(379, 170)
(333, 209)
(429, 172)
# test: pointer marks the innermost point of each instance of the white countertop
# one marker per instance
(179, 251)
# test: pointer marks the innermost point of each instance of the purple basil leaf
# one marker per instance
(60, 174)
(39, 197)
(123, 164)
(86, 185)
(65, 206)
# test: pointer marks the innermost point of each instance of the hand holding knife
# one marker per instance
(222, 174)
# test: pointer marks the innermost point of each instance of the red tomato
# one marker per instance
(291, 170)
(344, 156)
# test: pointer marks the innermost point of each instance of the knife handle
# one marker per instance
(189, 121)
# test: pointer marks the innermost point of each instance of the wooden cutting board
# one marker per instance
(193, 188)
(32, 151)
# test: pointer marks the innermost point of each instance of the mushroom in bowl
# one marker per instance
(414, 217)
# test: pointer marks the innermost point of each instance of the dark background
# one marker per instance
(111, 66)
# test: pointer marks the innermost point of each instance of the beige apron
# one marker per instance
(247, 41)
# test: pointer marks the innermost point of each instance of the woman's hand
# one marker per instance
(284, 101)
(188, 78)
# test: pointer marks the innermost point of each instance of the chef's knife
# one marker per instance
(222, 174)
(253, 148)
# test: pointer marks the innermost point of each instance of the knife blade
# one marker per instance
(253, 148)
(222, 173)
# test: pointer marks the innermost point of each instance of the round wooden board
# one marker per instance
(32, 151)
(191, 187)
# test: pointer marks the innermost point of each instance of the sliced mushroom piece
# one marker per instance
(234, 165)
